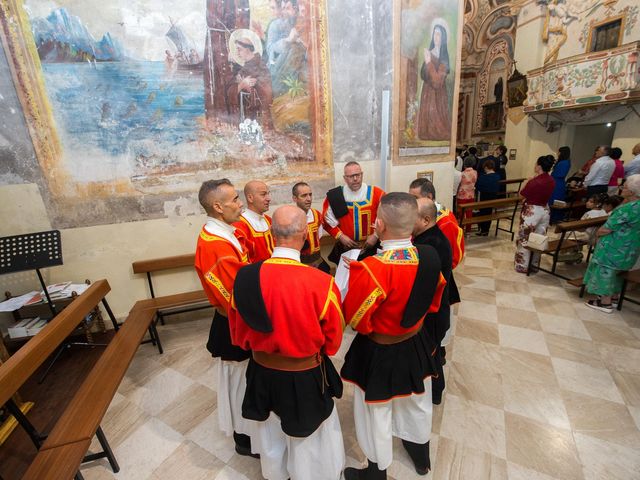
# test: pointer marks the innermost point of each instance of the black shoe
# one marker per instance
(246, 452)
(482, 234)
(369, 473)
(243, 445)
(419, 454)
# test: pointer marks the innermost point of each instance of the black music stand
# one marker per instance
(33, 251)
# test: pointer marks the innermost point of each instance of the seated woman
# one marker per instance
(467, 188)
(534, 216)
(617, 250)
(487, 187)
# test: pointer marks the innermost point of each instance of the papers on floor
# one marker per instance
(16, 303)
(342, 272)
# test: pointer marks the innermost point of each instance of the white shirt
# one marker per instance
(600, 172)
(595, 213)
(632, 167)
(286, 252)
(257, 221)
(457, 177)
(222, 229)
(349, 196)
(396, 244)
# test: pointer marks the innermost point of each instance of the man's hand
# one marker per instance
(371, 240)
(347, 261)
(347, 242)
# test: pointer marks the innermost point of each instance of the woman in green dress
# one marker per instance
(617, 250)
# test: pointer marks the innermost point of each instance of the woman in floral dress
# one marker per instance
(535, 211)
(617, 250)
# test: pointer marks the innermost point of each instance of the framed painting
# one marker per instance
(426, 38)
(130, 110)
(428, 174)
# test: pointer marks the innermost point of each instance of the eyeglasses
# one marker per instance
(354, 176)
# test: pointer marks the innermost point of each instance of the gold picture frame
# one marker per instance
(593, 26)
(428, 174)
(418, 137)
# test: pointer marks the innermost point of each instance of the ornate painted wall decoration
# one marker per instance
(426, 49)
(593, 78)
(130, 109)
(489, 26)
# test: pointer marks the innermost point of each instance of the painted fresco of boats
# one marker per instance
(185, 57)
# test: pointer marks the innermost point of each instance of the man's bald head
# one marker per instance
(258, 196)
(427, 208)
(397, 212)
(289, 227)
(427, 214)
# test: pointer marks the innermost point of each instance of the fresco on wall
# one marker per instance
(134, 107)
(427, 48)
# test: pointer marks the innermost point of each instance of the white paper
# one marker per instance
(15, 303)
(342, 272)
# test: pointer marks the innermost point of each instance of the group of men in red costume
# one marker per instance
(279, 317)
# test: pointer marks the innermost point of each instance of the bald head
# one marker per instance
(427, 214)
(289, 227)
(397, 215)
(258, 196)
(427, 208)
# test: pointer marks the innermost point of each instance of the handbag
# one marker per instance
(537, 241)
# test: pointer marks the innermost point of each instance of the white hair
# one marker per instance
(633, 183)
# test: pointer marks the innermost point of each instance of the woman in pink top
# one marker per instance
(467, 189)
(618, 172)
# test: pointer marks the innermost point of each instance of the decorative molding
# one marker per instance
(589, 78)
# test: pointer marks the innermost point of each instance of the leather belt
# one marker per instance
(383, 339)
(280, 362)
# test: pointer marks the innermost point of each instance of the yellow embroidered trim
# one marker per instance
(365, 306)
(215, 281)
(284, 261)
(333, 299)
(210, 238)
(386, 257)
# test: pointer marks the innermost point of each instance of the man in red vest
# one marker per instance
(254, 225)
(289, 315)
(349, 212)
(219, 256)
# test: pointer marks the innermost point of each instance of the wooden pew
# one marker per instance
(631, 276)
(511, 181)
(176, 303)
(555, 247)
(84, 413)
(502, 209)
(80, 421)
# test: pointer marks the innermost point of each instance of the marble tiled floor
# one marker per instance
(539, 387)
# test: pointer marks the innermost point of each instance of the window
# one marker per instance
(606, 35)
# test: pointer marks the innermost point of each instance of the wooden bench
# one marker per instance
(572, 209)
(169, 304)
(555, 247)
(631, 276)
(502, 209)
(81, 419)
(511, 181)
